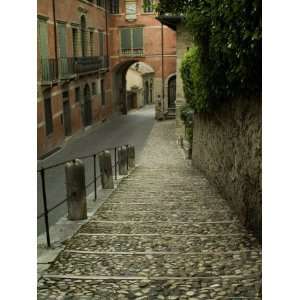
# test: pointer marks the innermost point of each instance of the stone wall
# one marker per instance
(227, 148)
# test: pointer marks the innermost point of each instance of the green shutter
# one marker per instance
(125, 39)
(101, 44)
(138, 42)
(43, 38)
(43, 48)
(63, 65)
(62, 40)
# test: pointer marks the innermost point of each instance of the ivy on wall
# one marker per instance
(226, 59)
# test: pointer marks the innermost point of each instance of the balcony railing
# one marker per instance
(68, 67)
(48, 70)
(132, 52)
(90, 64)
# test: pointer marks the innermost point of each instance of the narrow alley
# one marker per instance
(165, 233)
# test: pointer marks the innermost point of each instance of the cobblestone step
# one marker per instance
(163, 228)
(220, 288)
(166, 216)
(161, 243)
(163, 206)
(164, 234)
(157, 265)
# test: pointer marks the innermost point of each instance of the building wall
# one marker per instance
(70, 12)
(227, 148)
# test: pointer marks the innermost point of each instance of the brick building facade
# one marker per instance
(83, 60)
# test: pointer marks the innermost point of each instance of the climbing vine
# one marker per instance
(226, 59)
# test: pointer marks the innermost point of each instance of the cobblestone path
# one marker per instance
(163, 234)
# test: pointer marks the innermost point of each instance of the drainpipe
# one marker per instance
(162, 66)
(55, 36)
(106, 29)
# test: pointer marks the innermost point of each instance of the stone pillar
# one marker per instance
(122, 160)
(76, 192)
(106, 170)
(131, 156)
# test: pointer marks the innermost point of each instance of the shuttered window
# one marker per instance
(43, 38)
(62, 40)
(43, 49)
(137, 38)
(91, 43)
(148, 6)
(114, 6)
(75, 42)
(132, 41)
(101, 44)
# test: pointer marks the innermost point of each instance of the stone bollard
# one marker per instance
(76, 192)
(131, 157)
(106, 170)
(122, 160)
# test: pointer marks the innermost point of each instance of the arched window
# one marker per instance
(83, 36)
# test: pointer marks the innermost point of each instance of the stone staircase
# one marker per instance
(171, 114)
(165, 233)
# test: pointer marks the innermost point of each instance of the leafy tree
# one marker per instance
(226, 59)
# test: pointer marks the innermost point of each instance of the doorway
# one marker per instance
(172, 92)
(87, 106)
(67, 114)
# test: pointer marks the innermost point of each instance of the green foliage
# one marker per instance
(226, 59)
(186, 115)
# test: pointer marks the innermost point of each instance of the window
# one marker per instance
(43, 49)
(77, 94)
(130, 9)
(148, 6)
(102, 92)
(62, 40)
(75, 42)
(94, 91)
(91, 43)
(65, 94)
(83, 36)
(132, 41)
(101, 3)
(114, 6)
(48, 116)
(101, 43)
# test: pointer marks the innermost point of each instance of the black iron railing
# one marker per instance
(42, 171)
(132, 52)
(90, 63)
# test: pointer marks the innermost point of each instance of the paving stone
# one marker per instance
(165, 233)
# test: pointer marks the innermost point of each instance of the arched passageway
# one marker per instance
(135, 79)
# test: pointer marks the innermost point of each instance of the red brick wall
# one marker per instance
(70, 11)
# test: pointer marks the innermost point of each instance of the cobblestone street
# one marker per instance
(165, 233)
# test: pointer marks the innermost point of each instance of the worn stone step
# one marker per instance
(163, 228)
(157, 265)
(165, 216)
(162, 206)
(219, 288)
(162, 243)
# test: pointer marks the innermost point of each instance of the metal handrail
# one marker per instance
(94, 181)
(79, 157)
